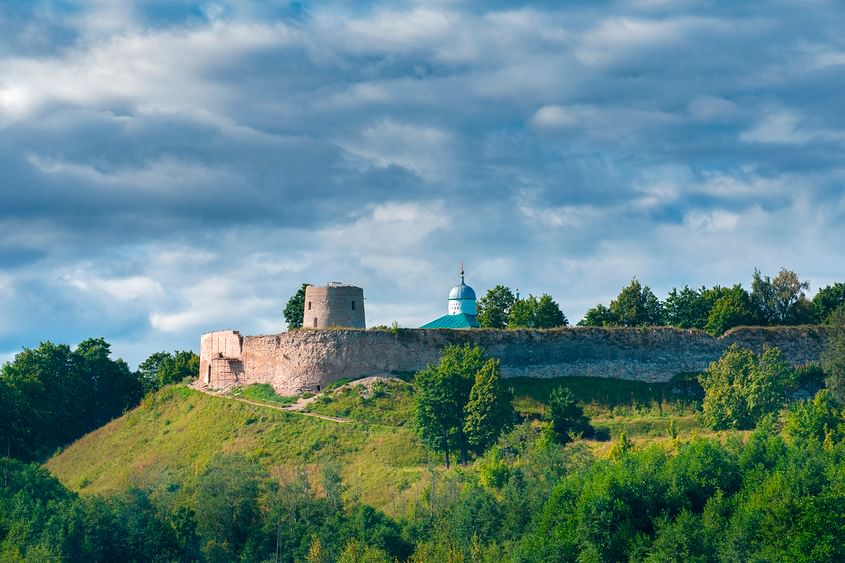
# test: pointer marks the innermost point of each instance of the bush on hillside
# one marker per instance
(741, 387)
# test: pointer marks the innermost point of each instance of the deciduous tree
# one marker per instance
(295, 309)
(495, 307)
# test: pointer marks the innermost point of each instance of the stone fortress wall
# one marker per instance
(306, 360)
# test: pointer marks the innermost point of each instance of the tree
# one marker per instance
(827, 300)
(488, 412)
(598, 316)
(55, 394)
(532, 312)
(816, 419)
(164, 368)
(780, 301)
(548, 313)
(565, 417)
(295, 309)
(461, 402)
(495, 307)
(227, 509)
(833, 355)
(740, 388)
(687, 308)
(636, 305)
(732, 309)
(522, 313)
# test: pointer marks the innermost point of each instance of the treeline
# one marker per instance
(53, 394)
(237, 513)
(776, 301)
(771, 302)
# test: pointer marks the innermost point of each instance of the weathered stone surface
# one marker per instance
(307, 359)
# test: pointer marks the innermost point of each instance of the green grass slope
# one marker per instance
(166, 441)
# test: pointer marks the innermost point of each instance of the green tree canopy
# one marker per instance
(741, 387)
(636, 305)
(599, 315)
(833, 355)
(495, 307)
(734, 308)
(295, 309)
(548, 313)
(780, 300)
(164, 368)
(55, 394)
(523, 312)
(463, 386)
(488, 412)
(827, 300)
(687, 308)
(565, 416)
(533, 312)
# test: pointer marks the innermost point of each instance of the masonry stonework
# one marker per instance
(334, 305)
(306, 360)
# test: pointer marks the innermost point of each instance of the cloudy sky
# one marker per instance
(169, 168)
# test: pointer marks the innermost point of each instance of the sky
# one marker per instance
(169, 168)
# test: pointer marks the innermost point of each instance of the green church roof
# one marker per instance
(461, 320)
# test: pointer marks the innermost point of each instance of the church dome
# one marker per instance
(462, 291)
(462, 299)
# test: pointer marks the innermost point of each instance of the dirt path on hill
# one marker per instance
(294, 408)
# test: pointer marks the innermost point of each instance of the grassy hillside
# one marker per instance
(165, 442)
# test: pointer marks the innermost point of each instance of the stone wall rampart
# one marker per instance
(309, 359)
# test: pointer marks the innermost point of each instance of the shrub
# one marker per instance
(741, 387)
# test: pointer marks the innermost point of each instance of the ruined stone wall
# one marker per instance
(308, 359)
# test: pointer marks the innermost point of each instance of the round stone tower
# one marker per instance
(334, 305)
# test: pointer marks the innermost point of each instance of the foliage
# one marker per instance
(740, 388)
(817, 419)
(294, 311)
(164, 368)
(598, 316)
(734, 308)
(637, 305)
(52, 395)
(495, 307)
(565, 417)
(488, 411)
(460, 402)
(827, 300)
(687, 308)
(780, 301)
(833, 355)
(522, 312)
(548, 313)
(533, 312)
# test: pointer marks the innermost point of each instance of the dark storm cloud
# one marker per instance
(172, 167)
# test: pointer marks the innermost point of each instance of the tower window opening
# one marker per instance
(353, 305)
(315, 322)
(309, 305)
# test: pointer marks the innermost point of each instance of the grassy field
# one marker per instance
(165, 442)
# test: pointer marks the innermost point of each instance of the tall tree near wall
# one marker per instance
(781, 300)
(495, 307)
(460, 402)
(295, 309)
(637, 305)
(827, 300)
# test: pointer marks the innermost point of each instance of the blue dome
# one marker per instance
(462, 291)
